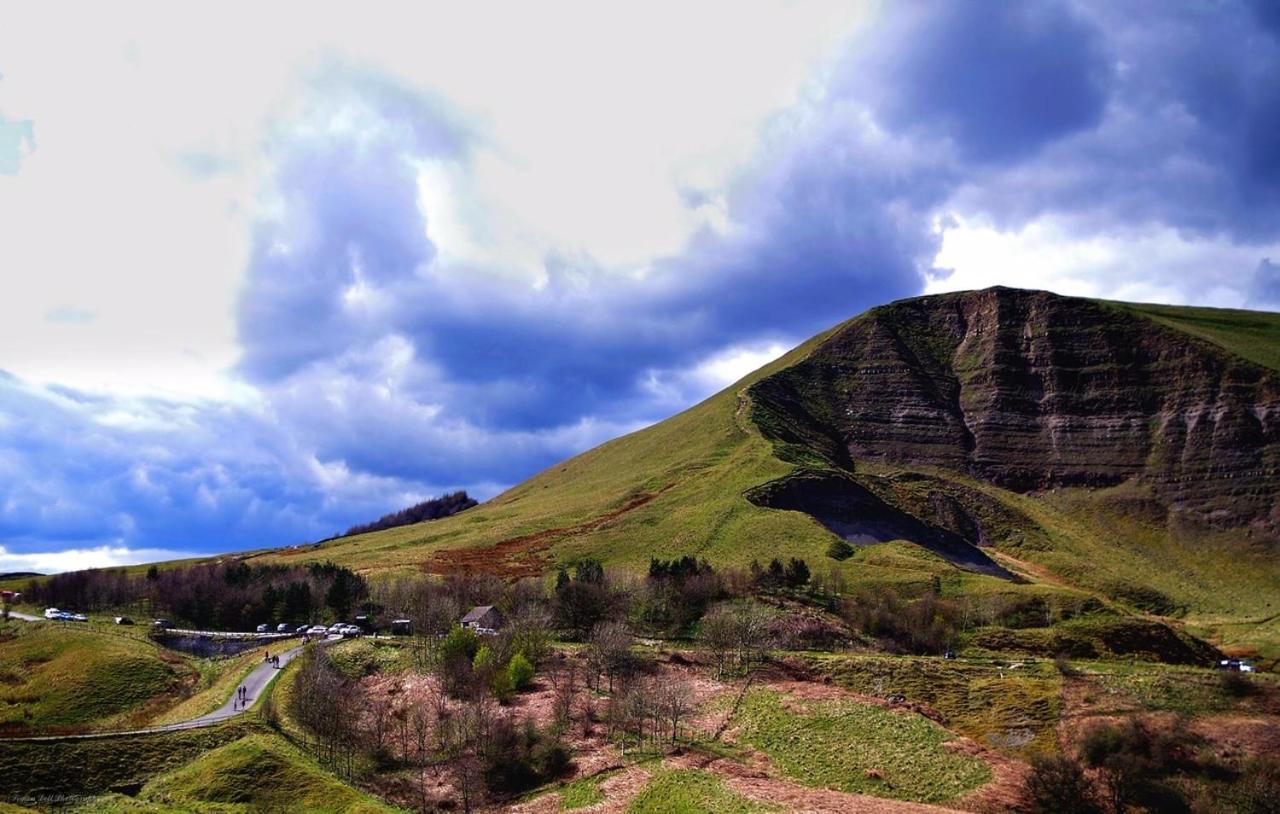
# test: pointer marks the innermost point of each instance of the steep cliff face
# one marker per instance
(1030, 390)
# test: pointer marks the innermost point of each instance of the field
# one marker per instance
(689, 791)
(860, 748)
(1014, 711)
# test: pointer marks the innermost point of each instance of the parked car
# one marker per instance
(303, 629)
(264, 628)
(123, 620)
(162, 624)
(317, 630)
(52, 613)
(336, 628)
(78, 617)
(284, 627)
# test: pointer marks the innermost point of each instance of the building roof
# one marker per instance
(478, 612)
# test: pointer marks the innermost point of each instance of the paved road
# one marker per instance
(256, 683)
(217, 634)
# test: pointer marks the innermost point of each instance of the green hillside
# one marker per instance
(679, 488)
(53, 679)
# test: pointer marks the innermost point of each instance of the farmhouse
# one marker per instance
(483, 619)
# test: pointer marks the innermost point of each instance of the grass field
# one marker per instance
(1014, 711)
(690, 791)
(55, 678)
(583, 792)
(860, 748)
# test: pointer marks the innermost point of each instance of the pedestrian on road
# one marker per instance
(266, 655)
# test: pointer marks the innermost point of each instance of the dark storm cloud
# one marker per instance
(1188, 138)
(999, 79)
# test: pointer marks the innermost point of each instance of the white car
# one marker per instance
(350, 630)
(317, 630)
(79, 617)
(52, 613)
(336, 628)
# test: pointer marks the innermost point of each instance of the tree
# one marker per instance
(609, 651)
(345, 591)
(520, 671)
(674, 701)
(583, 601)
(454, 658)
(797, 573)
(718, 633)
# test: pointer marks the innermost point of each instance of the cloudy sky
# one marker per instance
(273, 269)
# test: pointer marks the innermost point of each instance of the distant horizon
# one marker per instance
(374, 259)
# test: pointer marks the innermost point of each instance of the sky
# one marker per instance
(270, 270)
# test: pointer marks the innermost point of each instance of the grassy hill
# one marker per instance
(681, 486)
(54, 679)
(260, 772)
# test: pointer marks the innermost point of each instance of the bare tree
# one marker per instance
(674, 700)
(718, 632)
(609, 652)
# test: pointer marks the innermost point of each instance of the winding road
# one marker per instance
(255, 684)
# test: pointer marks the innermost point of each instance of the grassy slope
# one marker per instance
(93, 766)
(702, 459)
(1015, 712)
(260, 772)
(64, 678)
(1253, 335)
(858, 748)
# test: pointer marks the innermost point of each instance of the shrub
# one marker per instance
(520, 671)
(840, 550)
(1057, 785)
(1236, 685)
(502, 686)
(1257, 790)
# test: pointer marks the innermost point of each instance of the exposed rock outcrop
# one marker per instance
(1029, 390)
